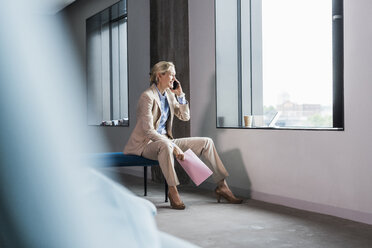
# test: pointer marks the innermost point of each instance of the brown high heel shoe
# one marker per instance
(180, 206)
(230, 198)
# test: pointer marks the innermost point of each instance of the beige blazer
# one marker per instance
(148, 119)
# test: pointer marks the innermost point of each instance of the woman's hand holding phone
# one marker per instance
(177, 89)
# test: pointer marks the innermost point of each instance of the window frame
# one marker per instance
(114, 21)
(254, 96)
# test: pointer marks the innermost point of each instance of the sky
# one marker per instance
(297, 51)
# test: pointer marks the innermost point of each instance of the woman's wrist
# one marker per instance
(181, 95)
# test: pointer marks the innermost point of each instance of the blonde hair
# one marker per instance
(160, 67)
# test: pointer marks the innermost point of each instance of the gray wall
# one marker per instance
(138, 56)
(321, 171)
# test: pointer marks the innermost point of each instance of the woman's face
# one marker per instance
(166, 79)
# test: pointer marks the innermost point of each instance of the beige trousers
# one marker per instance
(163, 152)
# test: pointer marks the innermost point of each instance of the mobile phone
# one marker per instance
(175, 85)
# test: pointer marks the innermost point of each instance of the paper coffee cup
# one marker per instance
(248, 120)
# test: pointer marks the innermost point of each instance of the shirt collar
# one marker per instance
(160, 95)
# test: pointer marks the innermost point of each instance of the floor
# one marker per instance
(207, 223)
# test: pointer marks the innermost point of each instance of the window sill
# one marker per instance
(287, 128)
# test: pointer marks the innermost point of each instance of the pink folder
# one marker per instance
(195, 168)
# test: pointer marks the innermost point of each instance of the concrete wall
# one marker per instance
(322, 171)
(138, 56)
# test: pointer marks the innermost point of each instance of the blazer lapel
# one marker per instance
(171, 114)
(170, 103)
(156, 95)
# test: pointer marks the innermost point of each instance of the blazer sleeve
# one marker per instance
(182, 111)
(145, 117)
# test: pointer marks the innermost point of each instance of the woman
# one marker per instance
(152, 136)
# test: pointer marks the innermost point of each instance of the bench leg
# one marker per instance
(145, 180)
(166, 190)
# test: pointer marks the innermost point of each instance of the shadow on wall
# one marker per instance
(232, 159)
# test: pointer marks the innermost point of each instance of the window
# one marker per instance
(107, 66)
(280, 61)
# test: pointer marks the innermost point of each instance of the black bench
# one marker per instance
(119, 159)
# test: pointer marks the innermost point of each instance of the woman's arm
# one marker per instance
(181, 110)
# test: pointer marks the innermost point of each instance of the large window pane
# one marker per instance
(227, 63)
(297, 61)
(280, 61)
(123, 64)
(107, 66)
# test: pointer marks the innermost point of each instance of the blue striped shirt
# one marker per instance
(162, 129)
